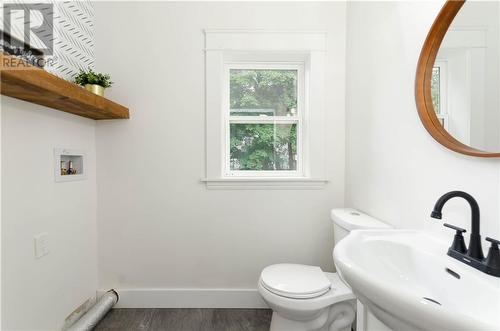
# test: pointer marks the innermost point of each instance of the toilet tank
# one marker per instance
(347, 219)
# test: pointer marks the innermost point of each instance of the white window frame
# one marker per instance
(300, 119)
(443, 92)
(225, 49)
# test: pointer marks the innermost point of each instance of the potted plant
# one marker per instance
(93, 81)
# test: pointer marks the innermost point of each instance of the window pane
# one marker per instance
(267, 92)
(263, 147)
(435, 91)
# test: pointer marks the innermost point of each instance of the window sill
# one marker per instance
(265, 183)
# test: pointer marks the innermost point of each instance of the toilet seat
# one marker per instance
(295, 281)
(338, 292)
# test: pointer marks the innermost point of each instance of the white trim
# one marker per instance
(267, 40)
(188, 298)
(259, 48)
(279, 65)
(443, 91)
(264, 119)
(260, 183)
(266, 31)
(255, 174)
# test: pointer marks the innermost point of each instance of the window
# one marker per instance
(265, 104)
(264, 126)
(438, 92)
(435, 89)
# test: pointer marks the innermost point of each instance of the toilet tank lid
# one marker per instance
(352, 219)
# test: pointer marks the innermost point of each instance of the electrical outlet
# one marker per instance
(41, 245)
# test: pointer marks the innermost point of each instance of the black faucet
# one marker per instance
(475, 251)
(472, 256)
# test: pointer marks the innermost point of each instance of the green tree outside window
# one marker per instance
(263, 146)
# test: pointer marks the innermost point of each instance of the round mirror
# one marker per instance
(458, 76)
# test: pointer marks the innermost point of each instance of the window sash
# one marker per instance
(296, 119)
(264, 120)
(264, 173)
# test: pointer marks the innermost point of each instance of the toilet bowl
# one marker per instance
(300, 305)
(304, 297)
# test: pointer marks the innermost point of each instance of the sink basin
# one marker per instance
(408, 282)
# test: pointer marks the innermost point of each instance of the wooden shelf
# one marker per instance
(23, 81)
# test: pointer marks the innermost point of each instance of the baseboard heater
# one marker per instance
(94, 315)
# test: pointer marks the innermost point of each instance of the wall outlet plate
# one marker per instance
(41, 245)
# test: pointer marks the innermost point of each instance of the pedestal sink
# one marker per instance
(407, 281)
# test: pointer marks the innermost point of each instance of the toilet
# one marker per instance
(304, 297)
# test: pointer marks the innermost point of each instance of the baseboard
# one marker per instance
(188, 298)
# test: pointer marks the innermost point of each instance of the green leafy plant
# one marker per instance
(90, 77)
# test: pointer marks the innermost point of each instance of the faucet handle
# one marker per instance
(493, 258)
(458, 242)
(493, 241)
(456, 228)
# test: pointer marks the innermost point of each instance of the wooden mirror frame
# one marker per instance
(423, 82)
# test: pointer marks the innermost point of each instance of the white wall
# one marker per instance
(38, 294)
(395, 170)
(1, 213)
(159, 227)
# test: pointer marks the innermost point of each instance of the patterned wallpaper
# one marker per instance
(72, 31)
(73, 37)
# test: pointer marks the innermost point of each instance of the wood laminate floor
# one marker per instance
(186, 320)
